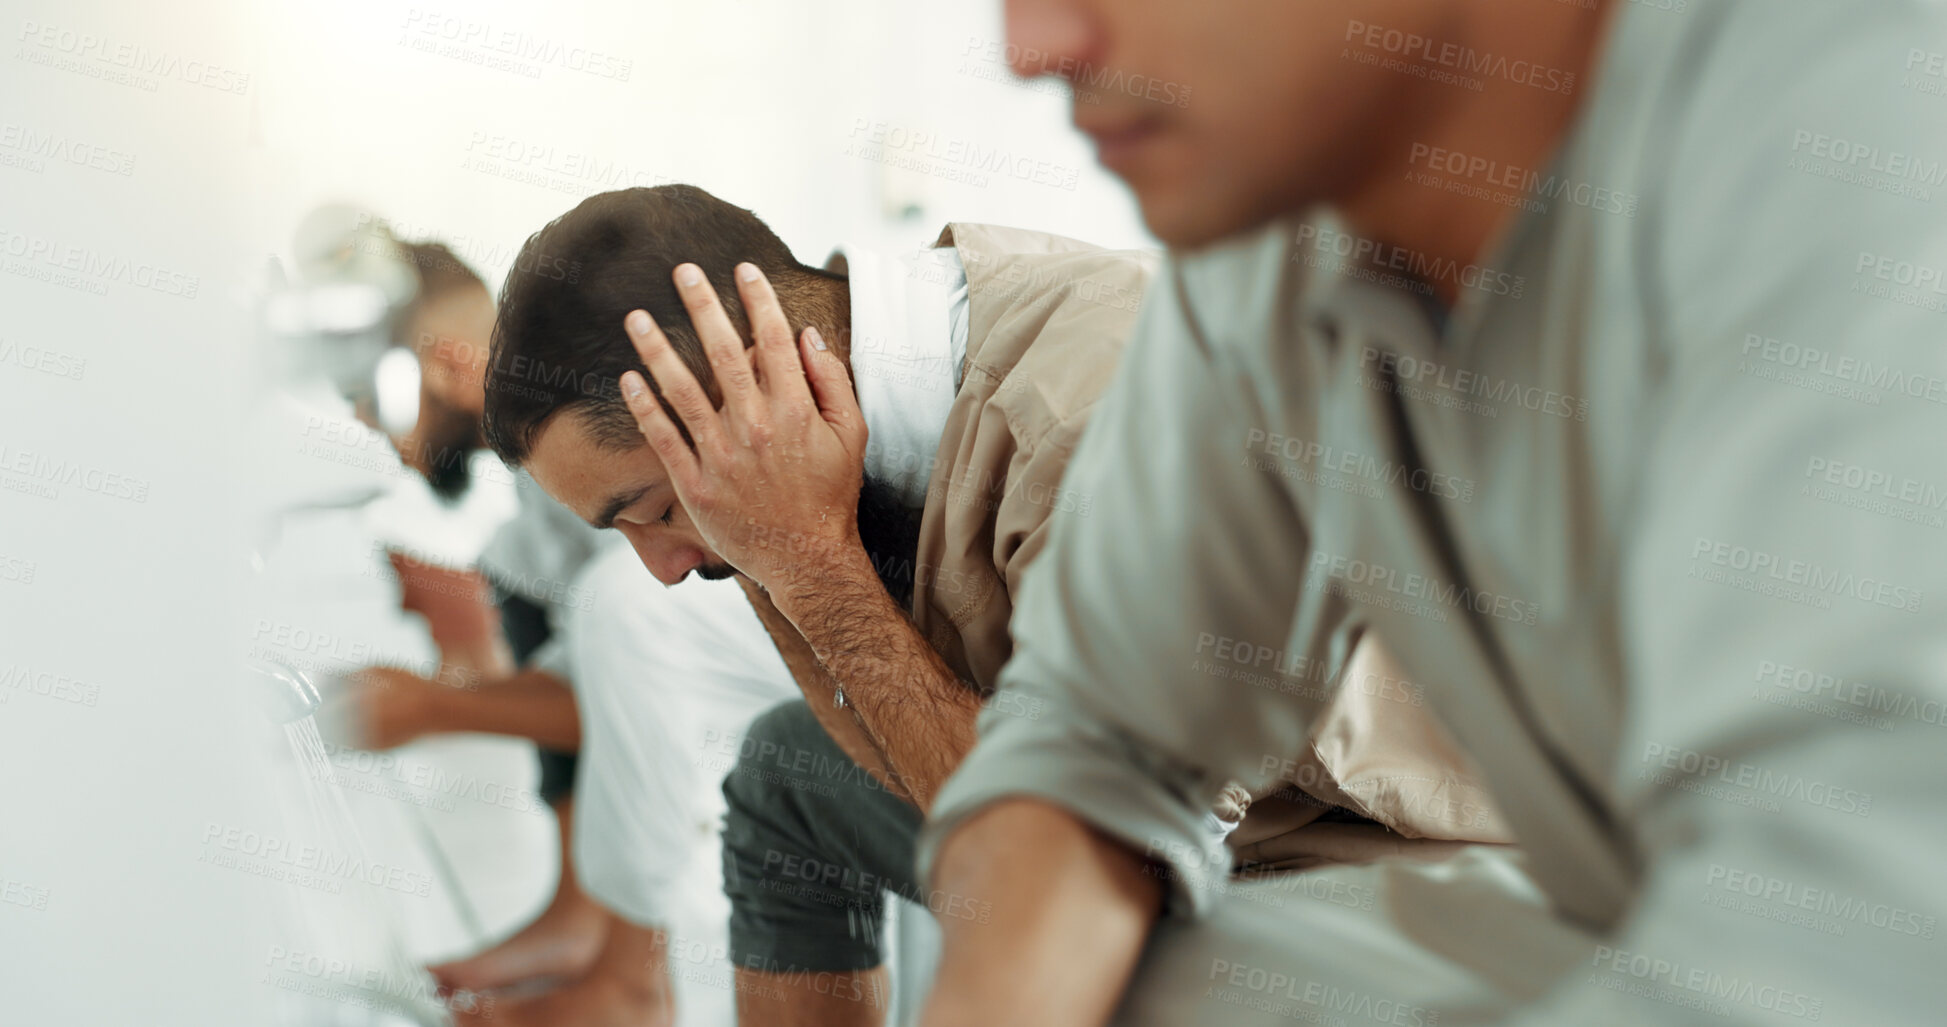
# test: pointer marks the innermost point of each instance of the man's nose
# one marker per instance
(1047, 37)
(668, 562)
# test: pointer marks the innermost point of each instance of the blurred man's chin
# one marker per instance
(1187, 216)
(1185, 220)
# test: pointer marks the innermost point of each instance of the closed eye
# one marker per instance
(668, 512)
(615, 506)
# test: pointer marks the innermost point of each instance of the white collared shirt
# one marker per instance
(909, 342)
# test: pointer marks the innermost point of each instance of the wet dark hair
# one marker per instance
(558, 342)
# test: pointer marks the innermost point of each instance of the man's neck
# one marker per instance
(1514, 125)
(832, 316)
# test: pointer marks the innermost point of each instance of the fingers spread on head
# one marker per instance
(672, 377)
(831, 386)
(661, 432)
(722, 344)
(777, 356)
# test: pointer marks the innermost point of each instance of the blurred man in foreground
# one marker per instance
(1624, 267)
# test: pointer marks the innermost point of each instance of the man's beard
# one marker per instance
(451, 438)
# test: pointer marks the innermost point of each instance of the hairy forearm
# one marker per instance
(1069, 911)
(917, 714)
(819, 689)
(532, 704)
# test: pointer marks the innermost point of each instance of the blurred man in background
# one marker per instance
(499, 673)
(1577, 254)
(601, 952)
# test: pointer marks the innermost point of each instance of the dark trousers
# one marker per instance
(525, 623)
(811, 846)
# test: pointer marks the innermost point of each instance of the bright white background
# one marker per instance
(766, 103)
